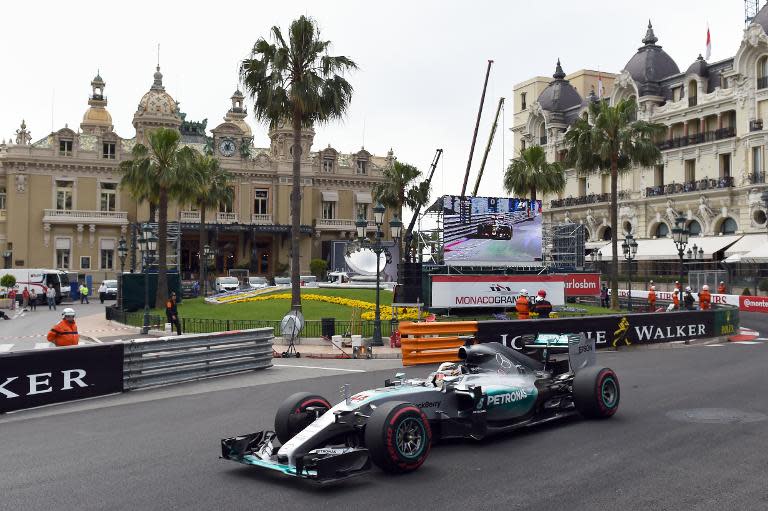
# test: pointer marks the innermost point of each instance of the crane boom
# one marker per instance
(408, 234)
(477, 126)
(488, 147)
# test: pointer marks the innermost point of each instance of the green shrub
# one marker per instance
(8, 280)
(318, 268)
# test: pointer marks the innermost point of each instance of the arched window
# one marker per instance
(632, 99)
(542, 134)
(607, 234)
(728, 226)
(692, 92)
(762, 72)
(662, 230)
(694, 228)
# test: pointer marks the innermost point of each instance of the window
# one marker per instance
(658, 175)
(64, 195)
(108, 150)
(725, 165)
(65, 148)
(108, 197)
(662, 230)
(582, 186)
(757, 161)
(762, 72)
(362, 211)
(690, 170)
(694, 228)
(327, 164)
(227, 206)
(260, 201)
(2, 197)
(728, 226)
(692, 91)
(523, 105)
(677, 93)
(605, 183)
(723, 82)
(362, 166)
(85, 262)
(329, 210)
(107, 254)
(62, 258)
(522, 144)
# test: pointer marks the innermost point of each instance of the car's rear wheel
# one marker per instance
(596, 392)
(297, 412)
(398, 437)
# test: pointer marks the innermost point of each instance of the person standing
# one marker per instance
(50, 295)
(678, 287)
(83, 293)
(676, 299)
(65, 332)
(102, 292)
(24, 300)
(12, 298)
(604, 302)
(542, 306)
(652, 299)
(688, 299)
(705, 298)
(33, 299)
(172, 313)
(522, 306)
(721, 289)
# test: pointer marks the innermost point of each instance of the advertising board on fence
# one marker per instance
(41, 377)
(607, 331)
(744, 303)
(582, 284)
(455, 291)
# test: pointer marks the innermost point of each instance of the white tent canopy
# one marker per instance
(758, 255)
(665, 249)
(746, 244)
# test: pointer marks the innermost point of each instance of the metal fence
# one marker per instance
(150, 362)
(312, 328)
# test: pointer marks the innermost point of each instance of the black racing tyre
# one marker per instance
(596, 392)
(398, 437)
(292, 416)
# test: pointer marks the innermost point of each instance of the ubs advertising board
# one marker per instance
(455, 291)
(607, 331)
(41, 377)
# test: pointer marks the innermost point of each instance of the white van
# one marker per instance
(224, 284)
(39, 279)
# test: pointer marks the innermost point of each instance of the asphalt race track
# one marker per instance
(158, 449)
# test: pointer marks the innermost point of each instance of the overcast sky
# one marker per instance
(422, 63)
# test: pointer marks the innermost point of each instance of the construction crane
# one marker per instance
(477, 125)
(488, 146)
(409, 232)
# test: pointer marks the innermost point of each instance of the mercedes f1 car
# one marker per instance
(492, 389)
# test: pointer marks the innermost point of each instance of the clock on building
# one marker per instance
(227, 147)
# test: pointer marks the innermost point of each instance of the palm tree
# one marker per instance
(211, 187)
(154, 172)
(399, 189)
(297, 80)
(531, 173)
(615, 141)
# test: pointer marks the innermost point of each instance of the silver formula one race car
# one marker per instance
(493, 389)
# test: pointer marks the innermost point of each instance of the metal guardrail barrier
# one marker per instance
(150, 362)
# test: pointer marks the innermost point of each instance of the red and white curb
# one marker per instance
(745, 336)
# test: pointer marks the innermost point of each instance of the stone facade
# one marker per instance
(61, 205)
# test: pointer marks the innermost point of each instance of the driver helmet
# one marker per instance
(523, 292)
(447, 370)
(542, 293)
(68, 313)
(705, 287)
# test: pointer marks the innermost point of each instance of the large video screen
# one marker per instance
(491, 231)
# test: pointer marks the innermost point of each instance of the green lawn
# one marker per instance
(276, 309)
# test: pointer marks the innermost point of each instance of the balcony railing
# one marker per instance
(691, 101)
(592, 198)
(697, 138)
(80, 216)
(191, 217)
(340, 224)
(261, 219)
(756, 178)
(226, 218)
(756, 125)
(690, 186)
(762, 82)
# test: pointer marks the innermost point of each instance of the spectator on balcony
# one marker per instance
(721, 289)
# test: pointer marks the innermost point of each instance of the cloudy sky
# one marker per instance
(422, 63)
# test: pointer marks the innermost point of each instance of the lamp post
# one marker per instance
(122, 253)
(396, 227)
(208, 253)
(680, 236)
(147, 245)
(630, 251)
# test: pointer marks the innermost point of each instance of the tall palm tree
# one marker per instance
(297, 80)
(399, 189)
(211, 187)
(154, 171)
(613, 140)
(531, 173)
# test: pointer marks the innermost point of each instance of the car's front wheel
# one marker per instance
(297, 412)
(398, 437)
(596, 392)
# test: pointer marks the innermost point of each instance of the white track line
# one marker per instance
(318, 367)
(5, 347)
(747, 342)
(42, 345)
(715, 345)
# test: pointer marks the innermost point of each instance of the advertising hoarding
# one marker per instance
(455, 291)
(491, 231)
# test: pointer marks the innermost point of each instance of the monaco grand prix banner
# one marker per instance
(40, 377)
(611, 331)
(455, 291)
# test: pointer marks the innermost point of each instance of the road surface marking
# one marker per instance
(42, 345)
(747, 342)
(762, 339)
(5, 347)
(715, 345)
(325, 368)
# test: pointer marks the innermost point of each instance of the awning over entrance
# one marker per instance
(665, 249)
(758, 255)
(330, 196)
(594, 245)
(363, 198)
(748, 243)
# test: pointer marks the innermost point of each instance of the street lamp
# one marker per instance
(680, 235)
(396, 227)
(629, 247)
(147, 246)
(122, 253)
(208, 254)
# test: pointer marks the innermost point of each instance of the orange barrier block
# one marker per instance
(433, 342)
